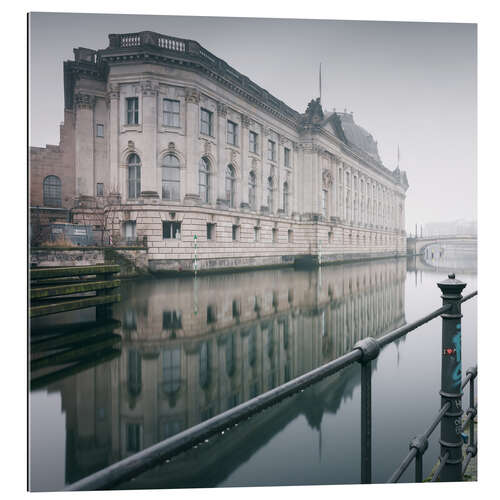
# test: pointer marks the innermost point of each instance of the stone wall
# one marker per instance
(133, 262)
(260, 241)
(54, 160)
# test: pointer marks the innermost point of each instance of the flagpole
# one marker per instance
(320, 82)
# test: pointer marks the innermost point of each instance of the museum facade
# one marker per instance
(174, 147)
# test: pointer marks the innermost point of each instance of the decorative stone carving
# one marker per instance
(148, 88)
(221, 109)
(131, 145)
(234, 156)
(192, 95)
(282, 139)
(313, 115)
(266, 131)
(113, 91)
(245, 121)
(171, 147)
(327, 179)
(84, 101)
(207, 147)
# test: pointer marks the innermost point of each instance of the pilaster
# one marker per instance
(150, 171)
(84, 144)
(191, 191)
(221, 157)
(113, 98)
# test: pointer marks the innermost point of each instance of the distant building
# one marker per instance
(458, 227)
(175, 145)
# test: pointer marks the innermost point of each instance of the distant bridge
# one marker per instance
(417, 246)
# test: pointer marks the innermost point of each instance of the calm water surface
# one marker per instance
(191, 349)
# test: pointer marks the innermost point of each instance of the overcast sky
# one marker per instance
(412, 84)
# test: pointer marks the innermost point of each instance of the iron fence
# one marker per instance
(451, 466)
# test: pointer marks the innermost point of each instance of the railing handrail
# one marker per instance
(145, 459)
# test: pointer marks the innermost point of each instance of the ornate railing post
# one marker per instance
(451, 379)
(370, 349)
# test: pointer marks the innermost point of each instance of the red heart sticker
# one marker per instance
(449, 351)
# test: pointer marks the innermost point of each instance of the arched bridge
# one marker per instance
(417, 246)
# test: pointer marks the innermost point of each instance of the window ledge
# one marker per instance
(131, 128)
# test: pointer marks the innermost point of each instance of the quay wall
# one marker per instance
(136, 262)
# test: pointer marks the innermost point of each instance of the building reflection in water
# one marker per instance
(189, 353)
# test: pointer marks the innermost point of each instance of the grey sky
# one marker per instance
(412, 84)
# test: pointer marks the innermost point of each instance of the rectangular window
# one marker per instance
(171, 320)
(171, 230)
(210, 231)
(236, 308)
(100, 189)
(323, 201)
(275, 235)
(271, 150)
(256, 233)
(133, 437)
(287, 158)
(206, 122)
(290, 236)
(129, 230)
(236, 232)
(171, 113)
(330, 237)
(132, 110)
(99, 130)
(211, 314)
(232, 133)
(252, 142)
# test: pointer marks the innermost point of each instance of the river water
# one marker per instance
(189, 349)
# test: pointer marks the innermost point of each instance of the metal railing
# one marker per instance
(366, 350)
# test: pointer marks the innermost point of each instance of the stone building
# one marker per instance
(178, 147)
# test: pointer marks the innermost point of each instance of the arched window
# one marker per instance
(171, 370)
(134, 372)
(324, 198)
(230, 355)
(52, 191)
(285, 197)
(204, 364)
(171, 177)
(270, 194)
(134, 176)
(230, 182)
(252, 187)
(204, 170)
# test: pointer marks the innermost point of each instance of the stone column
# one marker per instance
(262, 177)
(84, 145)
(221, 154)
(149, 169)
(244, 167)
(192, 153)
(296, 205)
(279, 174)
(114, 135)
(150, 398)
